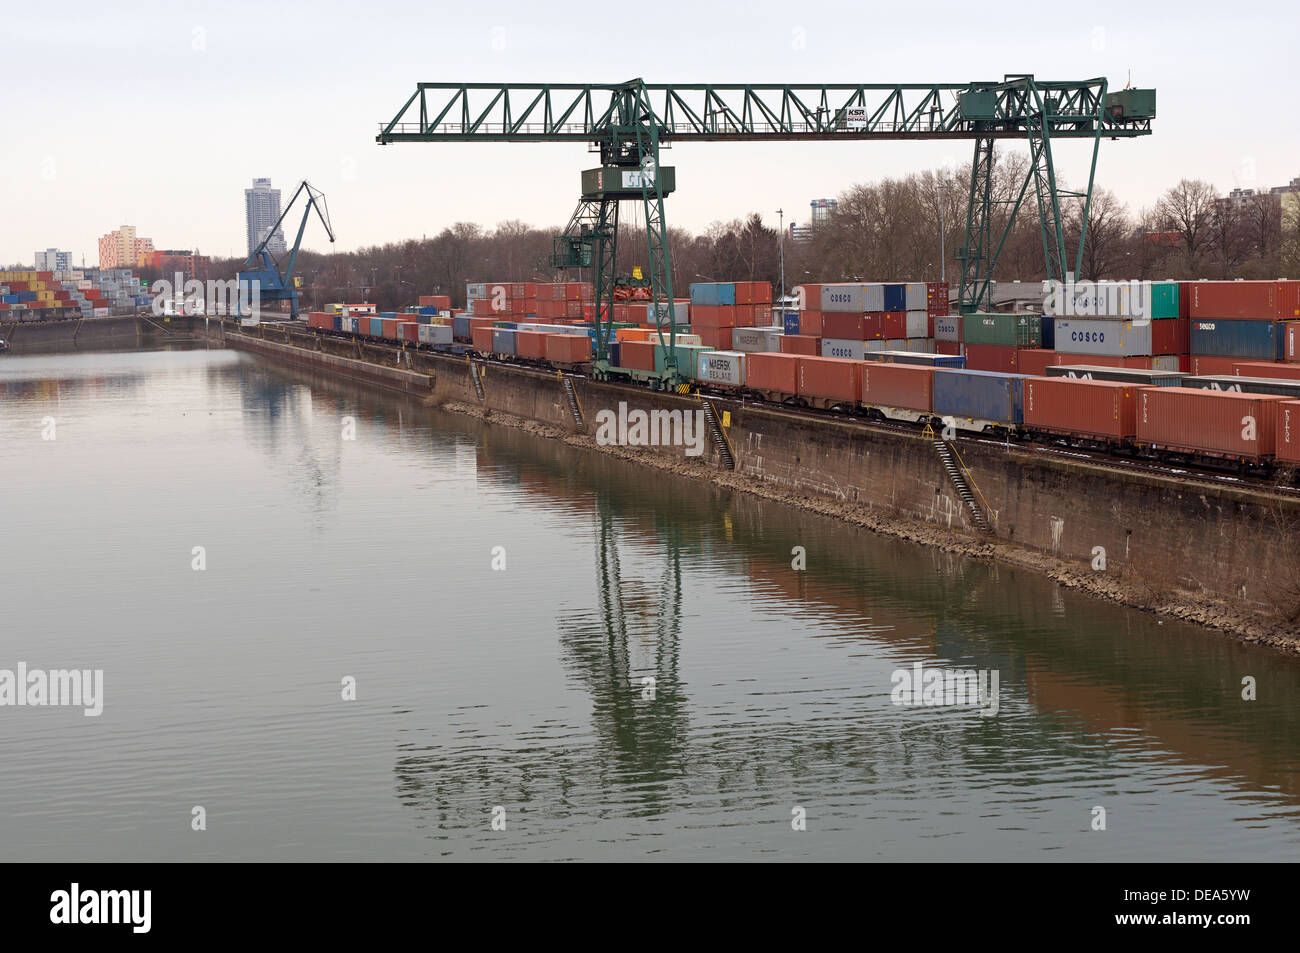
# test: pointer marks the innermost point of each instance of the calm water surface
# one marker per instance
(522, 689)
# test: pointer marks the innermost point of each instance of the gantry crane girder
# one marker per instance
(643, 116)
(273, 283)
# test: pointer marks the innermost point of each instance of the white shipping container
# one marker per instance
(917, 322)
(853, 298)
(475, 289)
(895, 344)
(844, 347)
(876, 345)
(434, 333)
(721, 367)
(920, 345)
(1112, 338)
(947, 328)
(917, 296)
(681, 311)
(1165, 362)
(751, 340)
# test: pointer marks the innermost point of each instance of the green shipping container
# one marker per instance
(1005, 330)
(1164, 299)
(688, 358)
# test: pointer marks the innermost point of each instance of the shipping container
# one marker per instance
(1138, 362)
(407, 331)
(1244, 300)
(435, 333)
(895, 326)
(1127, 375)
(917, 323)
(1202, 366)
(857, 298)
(1105, 410)
(1276, 386)
(993, 357)
(772, 373)
(1242, 339)
(915, 296)
(460, 327)
(1012, 329)
(637, 355)
(531, 344)
(720, 338)
(1114, 338)
(756, 339)
(753, 292)
(843, 325)
(895, 298)
(1034, 361)
(503, 341)
(1287, 431)
(829, 379)
(846, 348)
(1170, 336)
(1207, 421)
(978, 398)
(713, 293)
(800, 344)
(721, 367)
(1266, 369)
(791, 322)
(482, 338)
(576, 349)
(947, 327)
(713, 316)
(901, 386)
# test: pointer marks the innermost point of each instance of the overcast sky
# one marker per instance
(159, 114)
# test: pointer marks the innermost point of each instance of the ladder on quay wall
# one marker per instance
(965, 484)
(720, 438)
(477, 373)
(575, 407)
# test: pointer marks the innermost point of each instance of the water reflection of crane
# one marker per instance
(638, 636)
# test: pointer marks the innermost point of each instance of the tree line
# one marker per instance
(901, 229)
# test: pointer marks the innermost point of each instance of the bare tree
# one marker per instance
(1188, 209)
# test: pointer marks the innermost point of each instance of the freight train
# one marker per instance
(1159, 416)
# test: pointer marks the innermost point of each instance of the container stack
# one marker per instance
(717, 308)
(1240, 321)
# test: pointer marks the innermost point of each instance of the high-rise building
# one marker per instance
(261, 211)
(124, 249)
(53, 260)
(822, 209)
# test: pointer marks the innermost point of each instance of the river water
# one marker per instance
(497, 602)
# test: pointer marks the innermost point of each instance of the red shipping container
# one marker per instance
(45, 276)
(320, 319)
(713, 316)
(844, 325)
(717, 338)
(873, 326)
(1171, 336)
(1106, 409)
(1244, 300)
(636, 355)
(531, 344)
(936, 298)
(811, 322)
(992, 357)
(744, 292)
(905, 386)
(1286, 372)
(1210, 421)
(895, 324)
(768, 371)
(390, 328)
(800, 344)
(1107, 360)
(1287, 430)
(408, 331)
(573, 349)
(948, 347)
(441, 302)
(481, 338)
(763, 316)
(1201, 366)
(807, 297)
(1030, 360)
(830, 378)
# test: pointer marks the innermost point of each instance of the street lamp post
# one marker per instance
(781, 245)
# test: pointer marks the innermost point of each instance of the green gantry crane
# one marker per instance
(629, 122)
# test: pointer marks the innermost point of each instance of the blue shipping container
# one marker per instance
(376, 327)
(426, 309)
(895, 297)
(713, 293)
(1048, 326)
(390, 315)
(791, 323)
(1255, 340)
(503, 340)
(979, 395)
(338, 322)
(460, 326)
